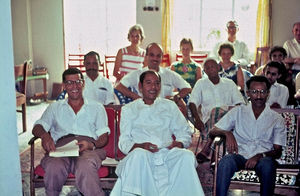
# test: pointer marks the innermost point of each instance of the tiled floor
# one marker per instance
(34, 112)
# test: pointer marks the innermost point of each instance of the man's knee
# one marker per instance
(266, 165)
(140, 153)
(227, 162)
(55, 165)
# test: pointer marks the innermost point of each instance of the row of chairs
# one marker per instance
(76, 60)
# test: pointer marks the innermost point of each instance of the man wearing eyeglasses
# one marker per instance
(67, 120)
(279, 93)
(254, 135)
(97, 87)
(241, 52)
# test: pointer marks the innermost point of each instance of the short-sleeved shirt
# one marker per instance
(60, 120)
(99, 90)
(209, 95)
(292, 48)
(253, 135)
(169, 81)
(278, 94)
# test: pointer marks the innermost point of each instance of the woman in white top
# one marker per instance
(131, 57)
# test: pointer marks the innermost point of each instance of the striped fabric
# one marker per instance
(131, 62)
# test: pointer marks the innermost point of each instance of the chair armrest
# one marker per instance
(32, 140)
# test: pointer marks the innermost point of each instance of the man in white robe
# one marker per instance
(156, 163)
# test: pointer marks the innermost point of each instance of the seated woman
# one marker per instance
(189, 70)
(228, 68)
(131, 57)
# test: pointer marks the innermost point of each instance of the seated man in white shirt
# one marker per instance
(241, 52)
(279, 94)
(254, 135)
(292, 48)
(97, 87)
(170, 80)
(211, 92)
(156, 164)
(64, 121)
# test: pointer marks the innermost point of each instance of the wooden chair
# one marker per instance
(198, 58)
(110, 63)
(262, 56)
(287, 182)
(166, 62)
(106, 172)
(21, 71)
(77, 61)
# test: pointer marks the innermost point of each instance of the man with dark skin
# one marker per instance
(256, 140)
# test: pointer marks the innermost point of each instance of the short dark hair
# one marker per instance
(258, 79)
(223, 46)
(143, 75)
(280, 67)
(277, 49)
(92, 53)
(71, 71)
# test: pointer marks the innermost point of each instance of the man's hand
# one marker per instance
(275, 105)
(231, 144)
(149, 146)
(175, 144)
(47, 142)
(85, 145)
(250, 164)
(297, 60)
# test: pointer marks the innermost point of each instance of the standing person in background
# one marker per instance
(189, 70)
(97, 87)
(241, 55)
(131, 57)
(292, 48)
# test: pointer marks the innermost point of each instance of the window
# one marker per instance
(204, 21)
(96, 25)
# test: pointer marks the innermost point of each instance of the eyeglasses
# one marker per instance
(255, 92)
(71, 82)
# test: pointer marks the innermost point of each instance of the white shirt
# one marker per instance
(292, 48)
(278, 94)
(169, 80)
(99, 90)
(253, 135)
(209, 95)
(241, 52)
(154, 123)
(60, 120)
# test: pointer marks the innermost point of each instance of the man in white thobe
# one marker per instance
(156, 162)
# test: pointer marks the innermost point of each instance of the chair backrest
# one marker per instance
(77, 61)
(110, 64)
(262, 56)
(198, 58)
(166, 62)
(21, 71)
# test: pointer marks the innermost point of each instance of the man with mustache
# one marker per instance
(170, 80)
(254, 136)
(156, 163)
(97, 87)
(279, 93)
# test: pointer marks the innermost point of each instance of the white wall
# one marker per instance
(284, 15)
(10, 172)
